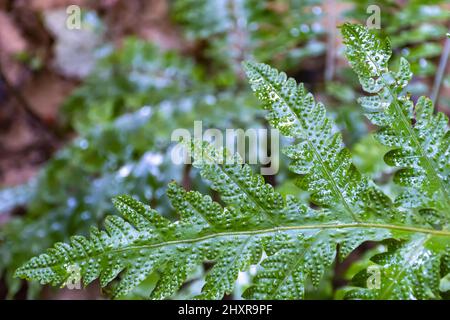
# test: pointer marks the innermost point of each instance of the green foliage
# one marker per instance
(368, 157)
(419, 139)
(74, 189)
(237, 30)
(290, 242)
(411, 270)
(140, 74)
(13, 197)
(415, 29)
(256, 219)
(325, 165)
(137, 74)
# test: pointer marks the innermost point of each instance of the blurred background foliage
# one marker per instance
(88, 114)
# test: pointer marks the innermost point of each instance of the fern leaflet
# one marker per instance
(420, 139)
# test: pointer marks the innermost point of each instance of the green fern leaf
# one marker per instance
(320, 157)
(420, 139)
(299, 242)
(235, 237)
(289, 242)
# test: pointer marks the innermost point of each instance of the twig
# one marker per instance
(440, 72)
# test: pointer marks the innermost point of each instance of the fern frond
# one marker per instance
(409, 270)
(289, 242)
(252, 28)
(234, 237)
(414, 28)
(320, 157)
(420, 139)
(299, 242)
